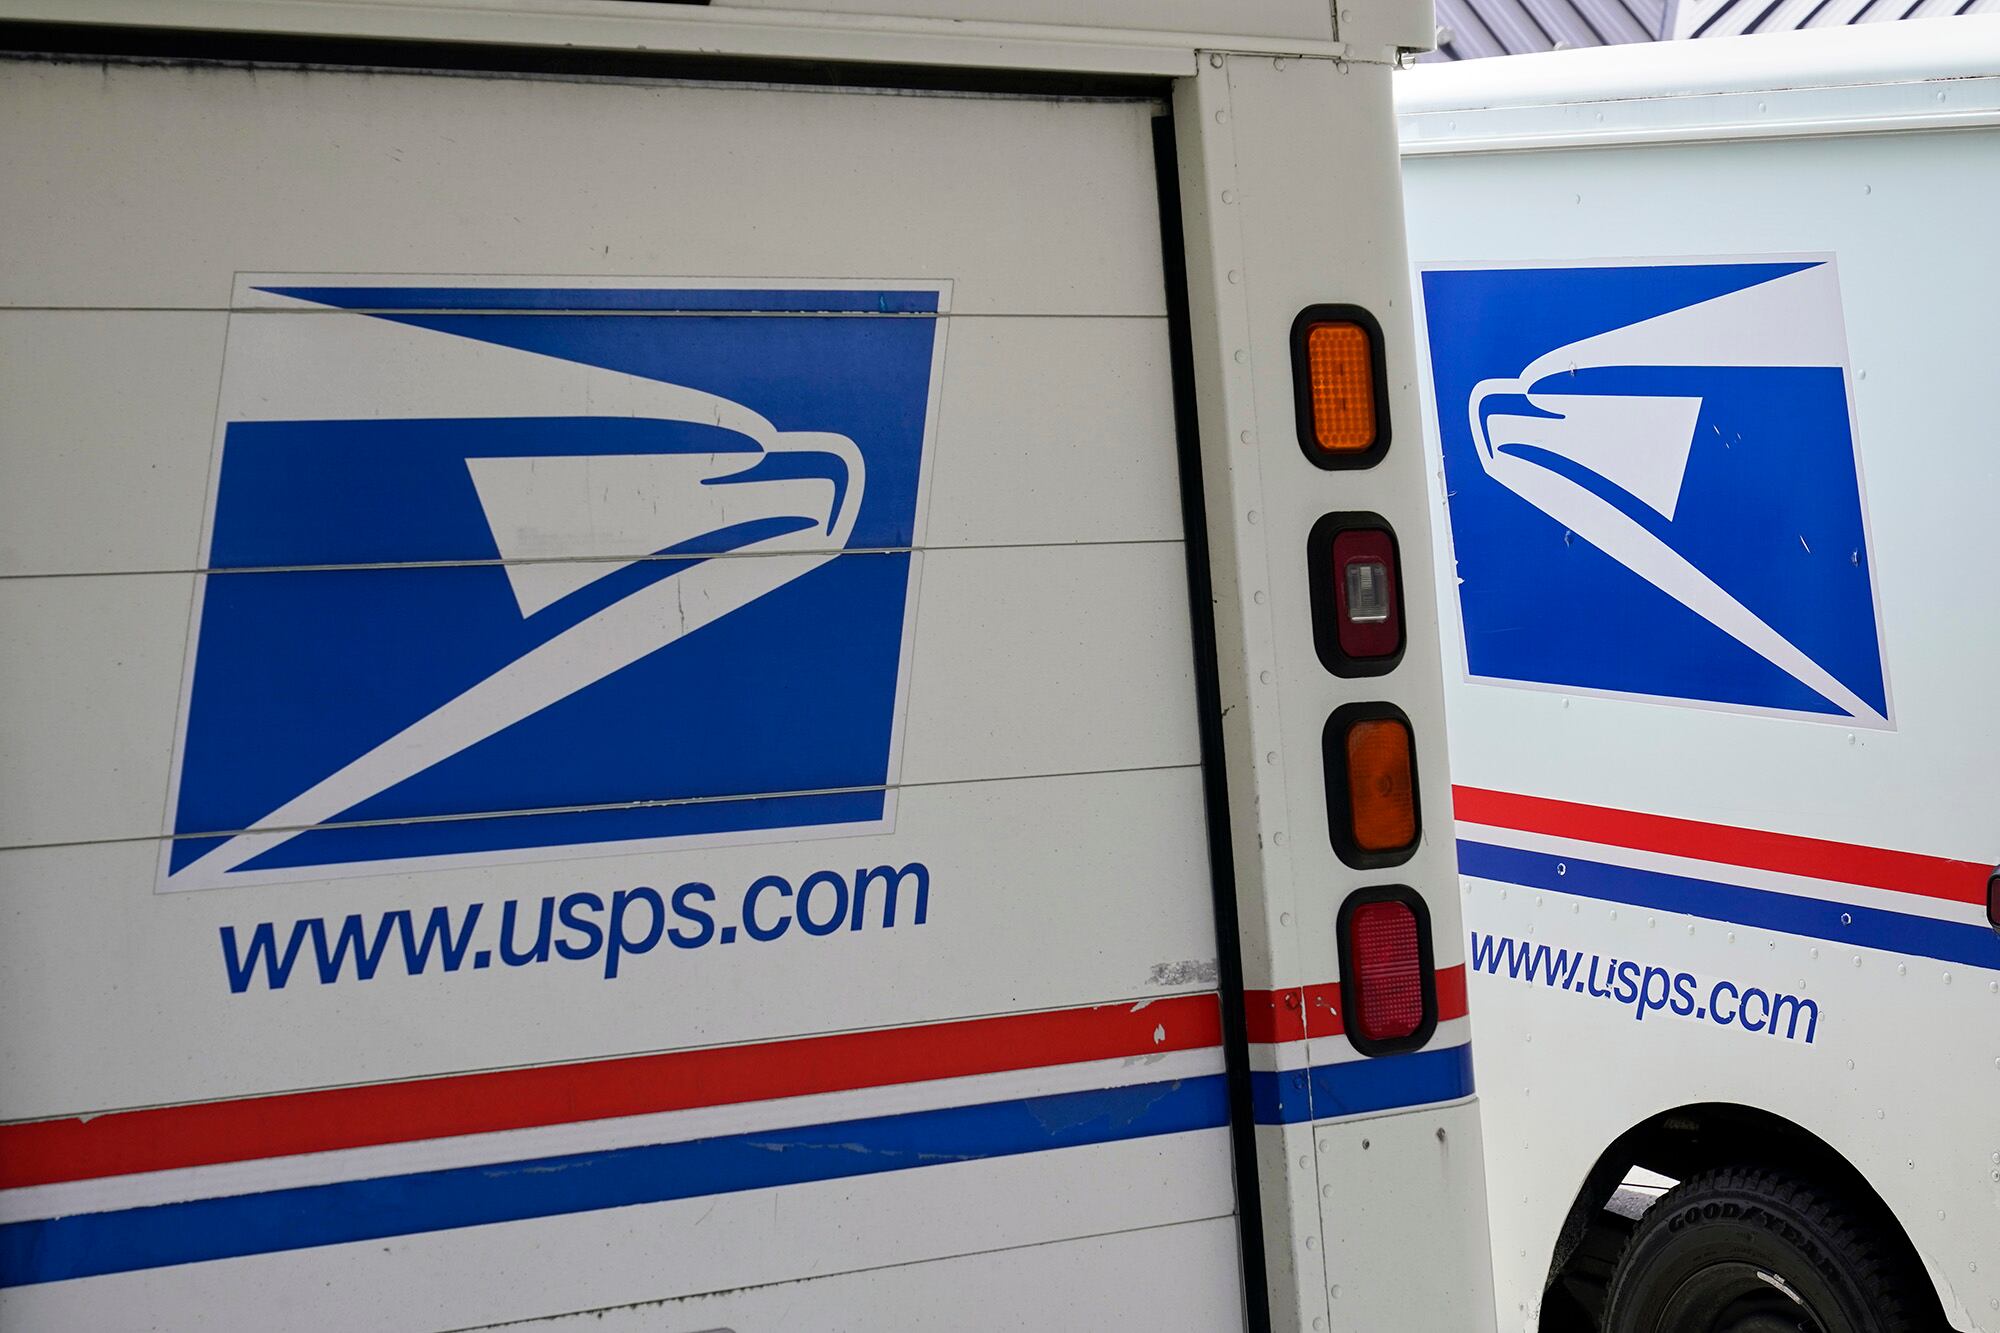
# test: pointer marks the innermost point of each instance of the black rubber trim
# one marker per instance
(1325, 610)
(1302, 403)
(1349, 990)
(1214, 770)
(290, 51)
(1339, 817)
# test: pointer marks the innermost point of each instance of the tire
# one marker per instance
(1747, 1250)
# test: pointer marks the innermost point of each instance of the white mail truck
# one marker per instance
(683, 667)
(1709, 367)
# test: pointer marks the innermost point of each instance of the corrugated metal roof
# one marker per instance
(1721, 18)
(1468, 29)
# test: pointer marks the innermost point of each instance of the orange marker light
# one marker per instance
(1340, 372)
(1381, 794)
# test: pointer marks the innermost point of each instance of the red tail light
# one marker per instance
(1387, 981)
(1390, 974)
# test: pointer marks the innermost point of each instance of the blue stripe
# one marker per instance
(91, 1244)
(1356, 1087)
(763, 301)
(1794, 914)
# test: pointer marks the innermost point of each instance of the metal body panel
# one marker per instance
(1046, 666)
(1411, 1184)
(488, 178)
(982, 1211)
(939, 39)
(1003, 630)
(1187, 1282)
(1866, 901)
(254, 1079)
(117, 479)
(988, 895)
(1257, 19)
(1247, 179)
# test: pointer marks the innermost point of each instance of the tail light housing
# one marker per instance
(1340, 386)
(1370, 757)
(1355, 572)
(1388, 979)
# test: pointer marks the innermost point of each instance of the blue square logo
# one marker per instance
(1652, 483)
(508, 570)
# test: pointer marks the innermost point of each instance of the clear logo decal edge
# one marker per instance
(1653, 483)
(518, 568)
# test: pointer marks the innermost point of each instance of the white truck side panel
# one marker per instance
(1046, 776)
(493, 176)
(116, 481)
(1185, 1280)
(1255, 18)
(312, 377)
(1106, 621)
(1903, 1071)
(996, 1217)
(398, 1027)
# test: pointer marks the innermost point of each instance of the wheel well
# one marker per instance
(1677, 1144)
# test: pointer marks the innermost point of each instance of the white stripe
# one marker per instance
(1451, 1032)
(1269, 1056)
(516, 1145)
(1801, 886)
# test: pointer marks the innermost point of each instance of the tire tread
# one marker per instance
(1839, 1237)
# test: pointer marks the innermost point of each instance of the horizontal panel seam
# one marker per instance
(864, 1271)
(433, 312)
(790, 553)
(532, 812)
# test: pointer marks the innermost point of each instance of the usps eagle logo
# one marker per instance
(517, 570)
(1652, 483)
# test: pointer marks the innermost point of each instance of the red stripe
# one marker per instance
(1274, 1015)
(48, 1151)
(1314, 1011)
(1323, 1010)
(1815, 858)
(1292, 1014)
(1451, 992)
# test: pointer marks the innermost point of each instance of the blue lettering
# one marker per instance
(833, 922)
(619, 941)
(544, 928)
(695, 916)
(916, 870)
(1647, 999)
(264, 949)
(367, 957)
(750, 926)
(592, 934)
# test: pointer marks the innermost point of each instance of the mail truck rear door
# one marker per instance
(600, 707)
